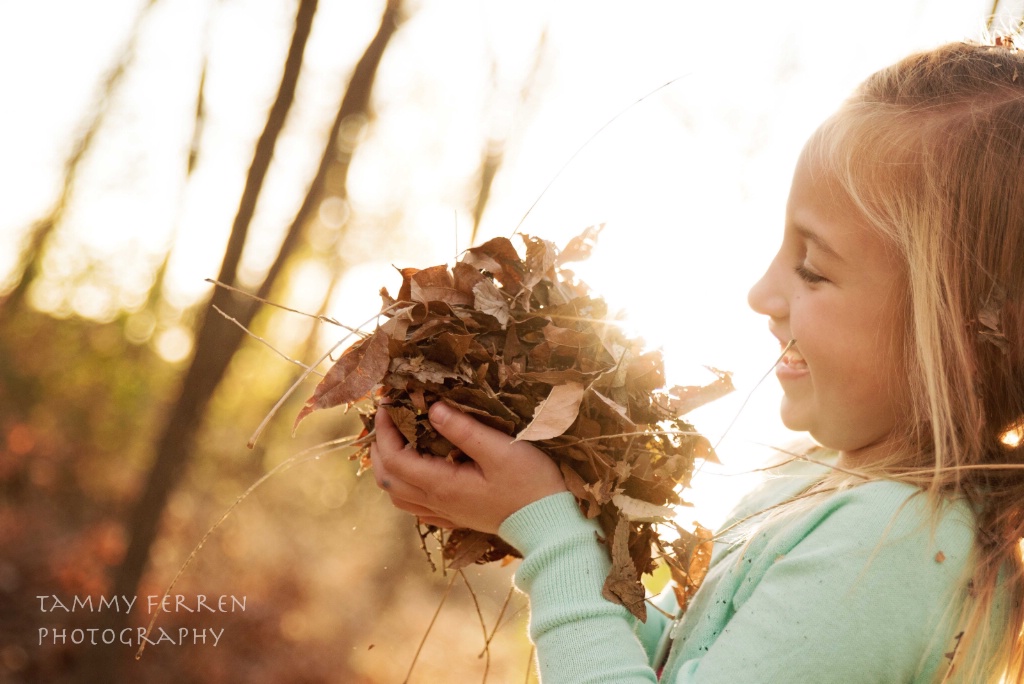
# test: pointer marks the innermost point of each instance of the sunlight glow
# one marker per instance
(675, 124)
(174, 344)
(1014, 436)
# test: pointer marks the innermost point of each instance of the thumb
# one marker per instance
(480, 442)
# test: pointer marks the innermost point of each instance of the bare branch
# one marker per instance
(38, 234)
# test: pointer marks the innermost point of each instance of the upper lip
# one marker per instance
(783, 340)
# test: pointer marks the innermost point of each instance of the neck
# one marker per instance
(868, 457)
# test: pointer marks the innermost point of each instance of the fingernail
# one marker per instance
(439, 413)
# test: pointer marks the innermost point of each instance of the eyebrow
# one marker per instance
(819, 242)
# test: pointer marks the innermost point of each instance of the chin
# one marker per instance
(793, 418)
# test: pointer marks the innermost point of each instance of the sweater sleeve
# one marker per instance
(580, 636)
(862, 590)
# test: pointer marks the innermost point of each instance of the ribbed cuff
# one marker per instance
(545, 521)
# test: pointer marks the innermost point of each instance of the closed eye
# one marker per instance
(809, 276)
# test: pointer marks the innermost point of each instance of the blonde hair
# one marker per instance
(931, 149)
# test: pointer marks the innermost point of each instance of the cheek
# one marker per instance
(862, 375)
(851, 356)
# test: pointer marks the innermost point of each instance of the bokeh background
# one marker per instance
(301, 151)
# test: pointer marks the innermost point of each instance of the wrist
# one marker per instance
(551, 517)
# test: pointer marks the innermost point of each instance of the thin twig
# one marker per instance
(306, 374)
(264, 342)
(444, 597)
(486, 653)
(991, 18)
(803, 457)
(650, 601)
(501, 614)
(739, 411)
(976, 466)
(951, 656)
(584, 145)
(720, 534)
(617, 435)
(319, 317)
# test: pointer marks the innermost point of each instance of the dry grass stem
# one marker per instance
(501, 614)
(265, 343)
(486, 653)
(309, 371)
(440, 605)
(322, 319)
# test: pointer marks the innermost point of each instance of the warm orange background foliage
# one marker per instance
(131, 151)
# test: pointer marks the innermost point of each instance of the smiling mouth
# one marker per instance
(792, 358)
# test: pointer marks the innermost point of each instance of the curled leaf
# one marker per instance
(488, 299)
(555, 413)
(637, 510)
(581, 246)
(690, 562)
(683, 399)
(622, 585)
(360, 368)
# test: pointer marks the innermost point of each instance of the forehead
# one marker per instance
(824, 213)
(818, 200)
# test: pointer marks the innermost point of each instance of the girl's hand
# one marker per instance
(502, 477)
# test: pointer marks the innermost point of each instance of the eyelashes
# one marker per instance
(809, 276)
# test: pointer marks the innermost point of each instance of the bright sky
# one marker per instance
(691, 179)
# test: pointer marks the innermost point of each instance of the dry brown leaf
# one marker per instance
(636, 510)
(487, 298)
(683, 399)
(472, 547)
(358, 371)
(581, 246)
(404, 420)
(554, 414)
(692, 559)
(541, 257)
(622, 585)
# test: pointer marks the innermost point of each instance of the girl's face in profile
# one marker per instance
(835, 289)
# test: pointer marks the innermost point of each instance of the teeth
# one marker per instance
(793, 358)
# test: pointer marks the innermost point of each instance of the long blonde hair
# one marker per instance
(931, 149)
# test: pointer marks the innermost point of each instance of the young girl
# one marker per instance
(898, 295)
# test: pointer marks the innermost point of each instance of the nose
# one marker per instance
(766, 296)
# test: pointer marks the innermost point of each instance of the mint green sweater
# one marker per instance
(858, 588)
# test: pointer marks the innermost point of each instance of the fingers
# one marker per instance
(437, 522)
(426, 516)
(501, 476)
(391, 482)
(388, 435)
(388, 449)
(401, 466)
(404, 473)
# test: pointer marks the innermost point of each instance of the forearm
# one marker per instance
(580, 636)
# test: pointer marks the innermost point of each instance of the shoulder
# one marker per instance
(892, 526)
(899, 509)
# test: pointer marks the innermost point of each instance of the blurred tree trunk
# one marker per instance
(493, 154)
(217, 339)
(38, 234)
(214, 346)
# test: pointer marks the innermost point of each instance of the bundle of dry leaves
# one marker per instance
(524, 347)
